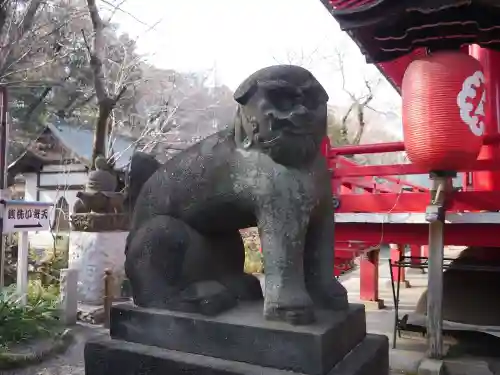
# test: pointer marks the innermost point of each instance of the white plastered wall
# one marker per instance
(71, 174)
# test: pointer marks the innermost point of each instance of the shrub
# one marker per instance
(49, 293)
(45, 266)
(10, 259)
(18, 323)
(253, 256)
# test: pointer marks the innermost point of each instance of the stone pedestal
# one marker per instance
(91, 253)
(240, 341)
(68, 304)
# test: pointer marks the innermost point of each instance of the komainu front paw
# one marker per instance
(296, 310)
(293, 315)
(331, 295)
(206, 298)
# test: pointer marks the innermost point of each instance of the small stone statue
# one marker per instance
(98, 202)
(100, 194)
(102, 179)
(184, 250)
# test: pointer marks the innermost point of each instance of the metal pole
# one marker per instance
(435, 216)
(3, 174)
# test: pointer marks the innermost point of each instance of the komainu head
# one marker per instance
(283, 112)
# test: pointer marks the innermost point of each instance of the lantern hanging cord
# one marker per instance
(375, 247)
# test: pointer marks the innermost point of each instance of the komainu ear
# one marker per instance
(322, 94)
(243, 136)
(316, 87)
(245, 91)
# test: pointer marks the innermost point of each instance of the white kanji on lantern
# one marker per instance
(472, 117)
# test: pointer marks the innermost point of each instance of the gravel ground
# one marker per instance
(68, 363)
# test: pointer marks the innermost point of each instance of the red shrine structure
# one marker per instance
(443, 57)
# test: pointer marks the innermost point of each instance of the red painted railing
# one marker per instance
(347, 251)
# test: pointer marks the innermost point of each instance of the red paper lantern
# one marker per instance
(443, 110)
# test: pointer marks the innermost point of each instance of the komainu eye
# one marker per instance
(283, 99)
(310, 99)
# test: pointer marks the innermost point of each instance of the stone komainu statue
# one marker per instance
(184, 251)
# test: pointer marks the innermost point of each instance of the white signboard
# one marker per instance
(24, 216)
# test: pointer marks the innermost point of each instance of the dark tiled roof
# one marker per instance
(75, 139)
(79, 140)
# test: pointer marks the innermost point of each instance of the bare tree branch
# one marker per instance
(115, 9)
(19, 31)
(359, 103)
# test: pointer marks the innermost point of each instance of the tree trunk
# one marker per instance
(105, 102)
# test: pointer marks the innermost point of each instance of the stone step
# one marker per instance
(116, 357)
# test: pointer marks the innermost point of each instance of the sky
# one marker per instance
(230, 39)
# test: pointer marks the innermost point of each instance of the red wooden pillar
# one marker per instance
(369, 279)
(397, 252)
(425, 251)
(415, 251)
(490, 60)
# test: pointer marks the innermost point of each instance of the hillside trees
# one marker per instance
(45, 63)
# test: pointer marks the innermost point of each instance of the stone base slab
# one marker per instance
(243, 335)
(115, 357)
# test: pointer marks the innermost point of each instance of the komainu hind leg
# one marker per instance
(171, 265)
(168, 266)
(229, 261)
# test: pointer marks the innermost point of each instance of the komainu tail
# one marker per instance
(142, 167)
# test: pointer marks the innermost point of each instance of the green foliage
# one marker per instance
(39, 318)
(46, 268)
(49, 268)
(48, 293)
(10, 259)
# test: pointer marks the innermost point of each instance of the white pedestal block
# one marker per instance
(68, 299)
(91, 253)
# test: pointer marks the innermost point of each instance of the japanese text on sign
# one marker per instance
(27, 213)
(23, 216)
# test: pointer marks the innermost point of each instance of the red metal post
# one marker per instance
(368, 280)
(425, 251)
(376, 148)
(373, 148)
